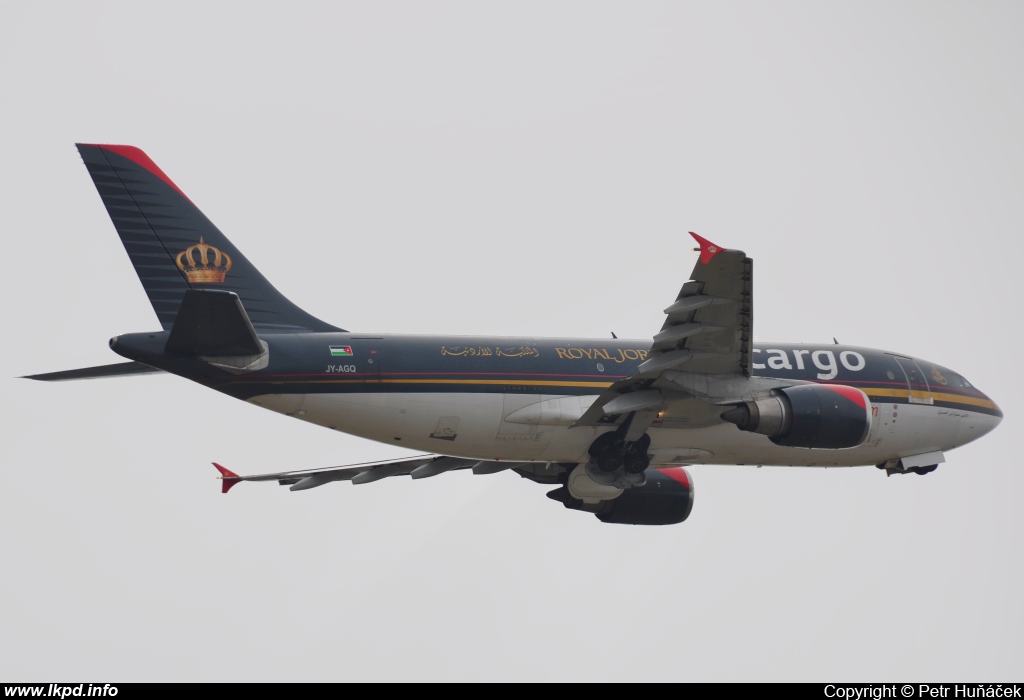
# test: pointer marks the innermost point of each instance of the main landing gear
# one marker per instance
(616, 462)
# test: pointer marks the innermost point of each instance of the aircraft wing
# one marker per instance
(708, 330)
(419, 467)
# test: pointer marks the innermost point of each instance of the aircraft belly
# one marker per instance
(447, 423)
(288, 404)
(472, 425)
(915, 430)
(725, 444)
(469, 425)
(365, 415)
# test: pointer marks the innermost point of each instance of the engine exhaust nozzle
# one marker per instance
(770, 416)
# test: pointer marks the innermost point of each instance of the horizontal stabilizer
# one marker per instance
(214, 324)
(120, 369)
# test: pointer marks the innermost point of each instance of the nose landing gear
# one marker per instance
(895, 466)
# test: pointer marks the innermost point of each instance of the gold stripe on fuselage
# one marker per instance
(489, 382)
(873, 392)
(937, 396)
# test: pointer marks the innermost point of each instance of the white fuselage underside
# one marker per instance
(474, 425)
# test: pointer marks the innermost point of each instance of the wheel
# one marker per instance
(605, 444)
(636, 455)
(636, 464)
(609, 461)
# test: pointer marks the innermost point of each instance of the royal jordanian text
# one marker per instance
(923, 690)
(61, 690)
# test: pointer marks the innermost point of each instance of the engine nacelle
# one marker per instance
(826, 416)
(665, 498)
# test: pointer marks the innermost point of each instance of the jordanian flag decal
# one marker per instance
(341, 350)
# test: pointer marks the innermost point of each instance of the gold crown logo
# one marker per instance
(202, 263)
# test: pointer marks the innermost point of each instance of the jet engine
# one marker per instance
(665, 498)
(828, 416)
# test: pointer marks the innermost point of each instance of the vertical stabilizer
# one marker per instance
(174, 247)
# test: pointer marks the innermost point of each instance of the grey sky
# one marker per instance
(532, 169)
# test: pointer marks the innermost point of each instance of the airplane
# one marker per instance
(610, 423)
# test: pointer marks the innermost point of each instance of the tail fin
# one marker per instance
(174, 247)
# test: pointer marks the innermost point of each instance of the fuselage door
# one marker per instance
(371, 349)
(917, 382)
(359, 358)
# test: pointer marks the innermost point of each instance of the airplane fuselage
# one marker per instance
(509, 398)
(610, 423)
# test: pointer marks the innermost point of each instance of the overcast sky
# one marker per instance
(525, 168)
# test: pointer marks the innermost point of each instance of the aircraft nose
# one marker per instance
(984, 423)
(992, 407)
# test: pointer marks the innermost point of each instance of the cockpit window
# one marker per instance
(940, 376)
(958, 381)
(943, 377)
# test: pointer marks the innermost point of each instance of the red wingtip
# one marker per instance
(708, 249)
(228, 478)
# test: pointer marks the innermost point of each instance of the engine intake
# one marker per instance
(827, 416)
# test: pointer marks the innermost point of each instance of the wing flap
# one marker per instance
(713, 314)
(708, 330)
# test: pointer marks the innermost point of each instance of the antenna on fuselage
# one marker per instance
(615, 336)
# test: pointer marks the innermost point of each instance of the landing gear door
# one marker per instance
(917, 382)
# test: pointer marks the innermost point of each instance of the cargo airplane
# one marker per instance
(610, 424)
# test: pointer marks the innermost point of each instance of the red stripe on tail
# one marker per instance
(137, 156)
